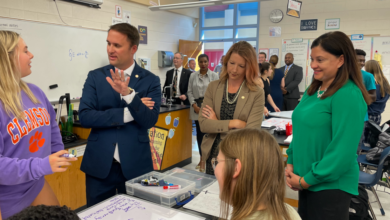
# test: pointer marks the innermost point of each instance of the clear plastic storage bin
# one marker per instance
(201, 180)
(157, 194)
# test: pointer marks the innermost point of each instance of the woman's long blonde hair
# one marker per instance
(246, 51)
(372, 66)
(273, 60)
(10, 76)
(261, 179)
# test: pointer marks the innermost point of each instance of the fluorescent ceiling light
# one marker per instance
(185, 5)
(198, 4)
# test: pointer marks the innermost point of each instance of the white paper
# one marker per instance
(385, 127)
(116, 20)
(275, 31)
(289, 139)
(294, 5)
(277, 122)
(124, 207)
(126, 16)
(273, 51)
(282, 114)
(207, 201)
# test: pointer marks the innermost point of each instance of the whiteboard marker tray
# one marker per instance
(157, 194)
(201, 180)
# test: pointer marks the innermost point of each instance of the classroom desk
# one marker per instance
(69, 186)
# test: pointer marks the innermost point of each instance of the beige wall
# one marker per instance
(164, 28)
(368, 17)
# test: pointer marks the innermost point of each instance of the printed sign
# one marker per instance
(333, 23)
(357, 37)
(275, 31)
(118, 11)
(294, 8)
(143, 34)
(158, 139)
(309, 25)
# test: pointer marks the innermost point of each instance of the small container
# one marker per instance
(201, 180)
(158, 194)
(288, 129)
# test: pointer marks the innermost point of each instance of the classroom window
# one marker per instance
(247, 13)
(224, 25)
(219, 15)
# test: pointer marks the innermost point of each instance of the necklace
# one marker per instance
(318, 92)
(236, 96)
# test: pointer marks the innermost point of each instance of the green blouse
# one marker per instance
(326, 137)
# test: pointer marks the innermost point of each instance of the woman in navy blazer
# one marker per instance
(275, 84)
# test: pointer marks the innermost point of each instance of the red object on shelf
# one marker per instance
(288, 129)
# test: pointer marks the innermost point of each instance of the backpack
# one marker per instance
(358, 208)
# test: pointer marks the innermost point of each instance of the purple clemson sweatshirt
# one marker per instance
(25, 147)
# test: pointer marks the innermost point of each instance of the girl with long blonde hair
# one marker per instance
(250, 173)
(30, 140)
(376, 108)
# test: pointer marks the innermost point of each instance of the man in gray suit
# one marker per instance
(293, 75)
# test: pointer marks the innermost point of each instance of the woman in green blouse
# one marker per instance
(327, 125)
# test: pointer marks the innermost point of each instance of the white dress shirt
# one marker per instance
(127, 117)
(179, 70)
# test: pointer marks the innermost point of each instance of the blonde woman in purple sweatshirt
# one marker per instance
(30, 140)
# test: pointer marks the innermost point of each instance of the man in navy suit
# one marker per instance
(120, 102)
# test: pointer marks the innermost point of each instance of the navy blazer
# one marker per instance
(102, 109)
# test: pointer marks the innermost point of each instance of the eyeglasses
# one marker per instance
(176, 58)
(215, 161)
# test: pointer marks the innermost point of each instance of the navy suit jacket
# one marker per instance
(102, 109)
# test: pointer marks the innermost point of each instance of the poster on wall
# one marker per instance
(332, 24)
(126, 17)
(158, 139)
(116, 20)
(309, 25)
(118, 11)
(275, 31)
(143, 34)
(294, 8)
(273, 51)
(145, 63)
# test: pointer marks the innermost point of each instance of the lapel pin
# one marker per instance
(243, 97)
(136, 76)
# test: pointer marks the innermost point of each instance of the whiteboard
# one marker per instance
(124, 207)
(300, 51)
(365, 45)
(63, 55)
(381, 45)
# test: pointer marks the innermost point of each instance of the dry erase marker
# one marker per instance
(172, 187)
(68, 155)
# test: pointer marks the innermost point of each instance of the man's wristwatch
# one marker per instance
(130, 90)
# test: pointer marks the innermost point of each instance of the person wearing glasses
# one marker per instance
(178, 77)
(235, 101)
(250, 173)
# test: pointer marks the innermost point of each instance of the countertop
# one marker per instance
(75, 143)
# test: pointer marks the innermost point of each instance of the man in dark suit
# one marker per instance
(120, 102)
(179, 78)
(293, 75)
